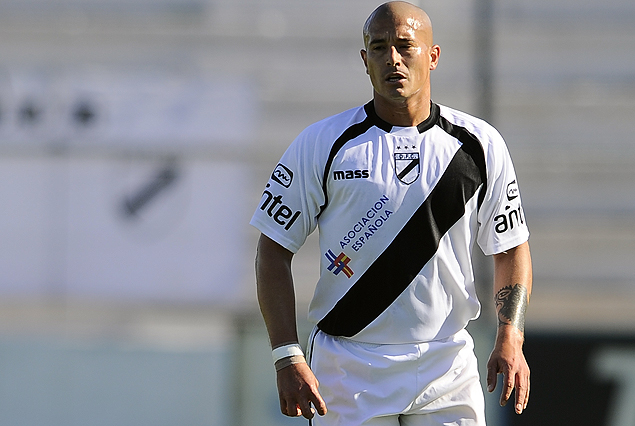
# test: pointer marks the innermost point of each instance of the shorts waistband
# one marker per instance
(372, 345)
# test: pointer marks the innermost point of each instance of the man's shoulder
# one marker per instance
(476, 126)
(318, 138)
(458, 117)
(337, 123)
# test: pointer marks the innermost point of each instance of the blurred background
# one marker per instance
(136, 137)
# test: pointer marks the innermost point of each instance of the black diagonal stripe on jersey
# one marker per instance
(473, 147)
(416, 243)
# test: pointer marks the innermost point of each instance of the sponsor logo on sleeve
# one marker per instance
(283, 175)
(512, 190)
(509, 219)
(513, 215)
(282, 214)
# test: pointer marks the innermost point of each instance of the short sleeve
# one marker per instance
(502, 222)
(290, 204)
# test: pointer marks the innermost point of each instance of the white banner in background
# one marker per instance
(125, 109)
(90, 220)
(148, 230)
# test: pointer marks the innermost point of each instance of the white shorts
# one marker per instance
(418, 384)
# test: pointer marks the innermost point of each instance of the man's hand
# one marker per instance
(298, 389)
(508, 359)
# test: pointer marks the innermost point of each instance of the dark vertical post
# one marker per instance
(484, 328)
(484, 58)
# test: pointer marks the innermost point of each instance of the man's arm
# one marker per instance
(512, 289)
(297, 386)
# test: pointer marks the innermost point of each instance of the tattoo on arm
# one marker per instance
(511, 304)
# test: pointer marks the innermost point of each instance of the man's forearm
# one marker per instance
(276, 295)
(511, 304)
(512, 286)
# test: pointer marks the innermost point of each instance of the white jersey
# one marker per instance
(399, 210)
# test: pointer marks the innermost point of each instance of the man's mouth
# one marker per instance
(395, 77)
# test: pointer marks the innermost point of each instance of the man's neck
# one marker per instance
(406, 113)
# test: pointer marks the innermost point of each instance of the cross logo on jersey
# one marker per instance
(407, 166)
(339, 263)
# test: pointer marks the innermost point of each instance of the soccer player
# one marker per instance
(401, 189)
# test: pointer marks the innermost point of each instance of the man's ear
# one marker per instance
(363, 54)
(435, 52)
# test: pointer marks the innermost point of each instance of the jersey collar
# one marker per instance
(387, 127)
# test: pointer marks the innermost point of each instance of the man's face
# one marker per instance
(399, 56)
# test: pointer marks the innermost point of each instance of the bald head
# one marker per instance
(400, 12)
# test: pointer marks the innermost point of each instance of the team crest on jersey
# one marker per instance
(339, 263)
(407, 166)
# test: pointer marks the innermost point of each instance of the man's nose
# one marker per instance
(394, 58)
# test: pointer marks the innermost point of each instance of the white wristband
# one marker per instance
(286, 351)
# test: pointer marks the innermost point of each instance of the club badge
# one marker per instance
(407, 166)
